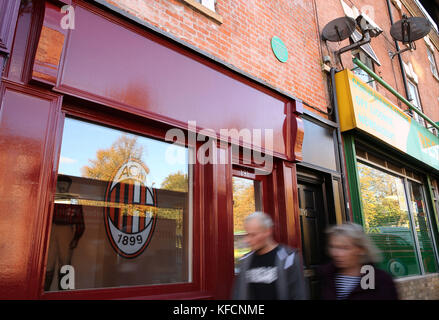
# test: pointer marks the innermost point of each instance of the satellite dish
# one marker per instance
(410, 29)
(339, 29)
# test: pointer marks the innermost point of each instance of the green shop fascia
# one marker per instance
(393, 174)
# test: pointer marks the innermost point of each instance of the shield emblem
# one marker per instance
(130, 214)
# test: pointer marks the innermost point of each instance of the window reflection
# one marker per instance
(363, 75)
(387, 220)
(414, 94)
(67, 229)
(122, 213)
(422, 229)
(247, 199)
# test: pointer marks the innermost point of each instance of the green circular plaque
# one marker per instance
(279, 49)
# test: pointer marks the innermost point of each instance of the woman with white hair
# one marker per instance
(352, 275)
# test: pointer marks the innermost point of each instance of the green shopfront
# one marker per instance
(393, 171)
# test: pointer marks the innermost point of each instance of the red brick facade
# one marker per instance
(389, 70)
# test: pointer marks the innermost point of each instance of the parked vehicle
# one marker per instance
(399, 255)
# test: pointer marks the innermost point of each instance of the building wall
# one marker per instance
(419, 288)
(428, 85)
(389, 70)
(243, 39)
(32, 116)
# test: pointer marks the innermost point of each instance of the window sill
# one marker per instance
(207, 12)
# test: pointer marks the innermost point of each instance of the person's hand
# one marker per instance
(73, 243)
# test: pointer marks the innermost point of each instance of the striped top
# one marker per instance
(344, 285)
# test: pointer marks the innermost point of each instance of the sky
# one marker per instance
(81, 140)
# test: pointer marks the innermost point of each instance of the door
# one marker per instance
(313, 223)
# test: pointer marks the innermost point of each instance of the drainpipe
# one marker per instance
(340, 145)
(404, 79)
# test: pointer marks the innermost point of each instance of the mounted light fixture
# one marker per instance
(407, 31)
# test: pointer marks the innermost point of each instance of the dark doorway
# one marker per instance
(313, 222)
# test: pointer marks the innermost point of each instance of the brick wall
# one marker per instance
(243, 39)
(389, 70)
(419, 288)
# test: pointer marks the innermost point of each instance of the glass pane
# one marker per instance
(422, 228)
(247, 198)
(122, 212)
(432, 62)
(413, 90)
(363, 75)
(414, 95)
(387, 220)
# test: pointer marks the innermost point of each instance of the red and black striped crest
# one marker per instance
(130, 214)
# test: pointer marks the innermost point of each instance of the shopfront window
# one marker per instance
(247, 198)
(122, 213)
(396, 217)
(387, 220)
(422, 228)
(435, 192)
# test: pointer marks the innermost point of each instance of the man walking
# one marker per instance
(271, 271)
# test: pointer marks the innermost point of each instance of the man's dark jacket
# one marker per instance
(290, 284)
(385, 288)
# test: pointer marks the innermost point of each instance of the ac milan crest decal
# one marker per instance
(130, 214)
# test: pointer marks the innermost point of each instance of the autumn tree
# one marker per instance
(108, 161)
(381, 200)
(243, 203)
(176, 182)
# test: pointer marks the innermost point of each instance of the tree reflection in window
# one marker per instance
(387, 220)
(246, 200)
(125, 179)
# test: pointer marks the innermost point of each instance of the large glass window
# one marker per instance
(387, 220)
(435, 191)
(396, 219)
(122, 212)
(423, 231)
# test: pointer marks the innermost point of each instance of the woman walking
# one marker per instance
(352, 259)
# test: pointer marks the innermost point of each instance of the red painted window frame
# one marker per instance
(127, 122)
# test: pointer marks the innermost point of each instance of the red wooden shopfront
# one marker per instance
(114, 73)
